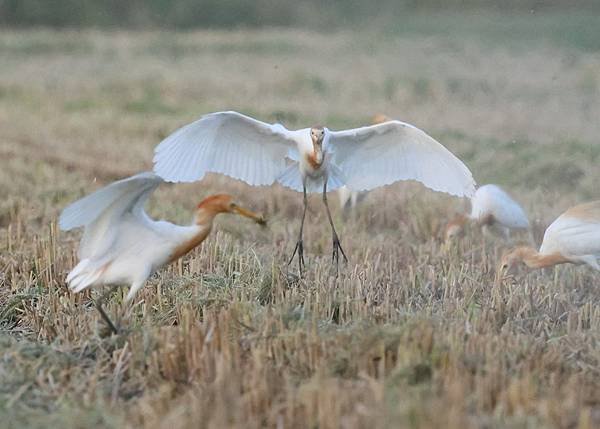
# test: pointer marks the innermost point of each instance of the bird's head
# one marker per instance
(455, 228)
(512, 260)
(224, 203)
(317, 134)
(453, 231)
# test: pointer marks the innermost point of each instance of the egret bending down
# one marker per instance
(574, 237)
(490, 207)
(121, 244)
(310, 160)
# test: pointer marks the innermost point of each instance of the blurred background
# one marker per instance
(82, 81)
(186, 14)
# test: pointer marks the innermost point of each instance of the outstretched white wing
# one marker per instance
(102, 210)
(225, 142)
(382, 154)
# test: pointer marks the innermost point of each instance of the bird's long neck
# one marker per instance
(203, 222)
(315, 158)
(460, 220)
(534, 259)
(205, 216)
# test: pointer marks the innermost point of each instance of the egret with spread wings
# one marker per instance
(122, 245)
(310, 160)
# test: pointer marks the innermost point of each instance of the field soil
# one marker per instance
(413, 333)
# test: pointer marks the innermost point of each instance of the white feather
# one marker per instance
(491, 200)
(259, 154)
(382, 154)
(349, 198)
(86, 210)
(225, 142)
(575, 234)
(120, 243)
(291, 177)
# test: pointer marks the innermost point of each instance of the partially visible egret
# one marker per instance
(574, 237)
(310, 160)
(491, 206)
(348, 198)
(122, 245)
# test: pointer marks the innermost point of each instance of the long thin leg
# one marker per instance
(337, 247)
(98, 303)
(299, 244)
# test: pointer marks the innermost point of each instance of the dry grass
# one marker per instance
(412, 334)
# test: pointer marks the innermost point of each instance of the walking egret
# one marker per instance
(122, 245)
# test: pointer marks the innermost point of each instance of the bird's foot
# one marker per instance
(299, 249)
(111, 328)
(335, 256)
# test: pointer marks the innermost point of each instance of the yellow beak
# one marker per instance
(250, 214)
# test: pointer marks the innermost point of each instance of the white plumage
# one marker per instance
(493, 201)
(310, 159)
(121, 244)
(491, 206)
(348, 199)
(262, 154)
(574, 237)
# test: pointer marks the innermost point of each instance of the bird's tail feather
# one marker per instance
(84, 281)
(78, 270)
(85, 274)
(133, 289)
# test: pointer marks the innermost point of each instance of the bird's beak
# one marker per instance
(249, 214)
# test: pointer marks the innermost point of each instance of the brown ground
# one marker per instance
(412, 334)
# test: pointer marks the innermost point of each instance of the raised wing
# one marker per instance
(491, 199)
(382, 154)
(118, 197)
(102, 210)
(228, 143)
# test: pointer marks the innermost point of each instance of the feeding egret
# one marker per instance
(491, 206)
(574, 237)
(121, 244)
(348, 197)
(310, 159)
